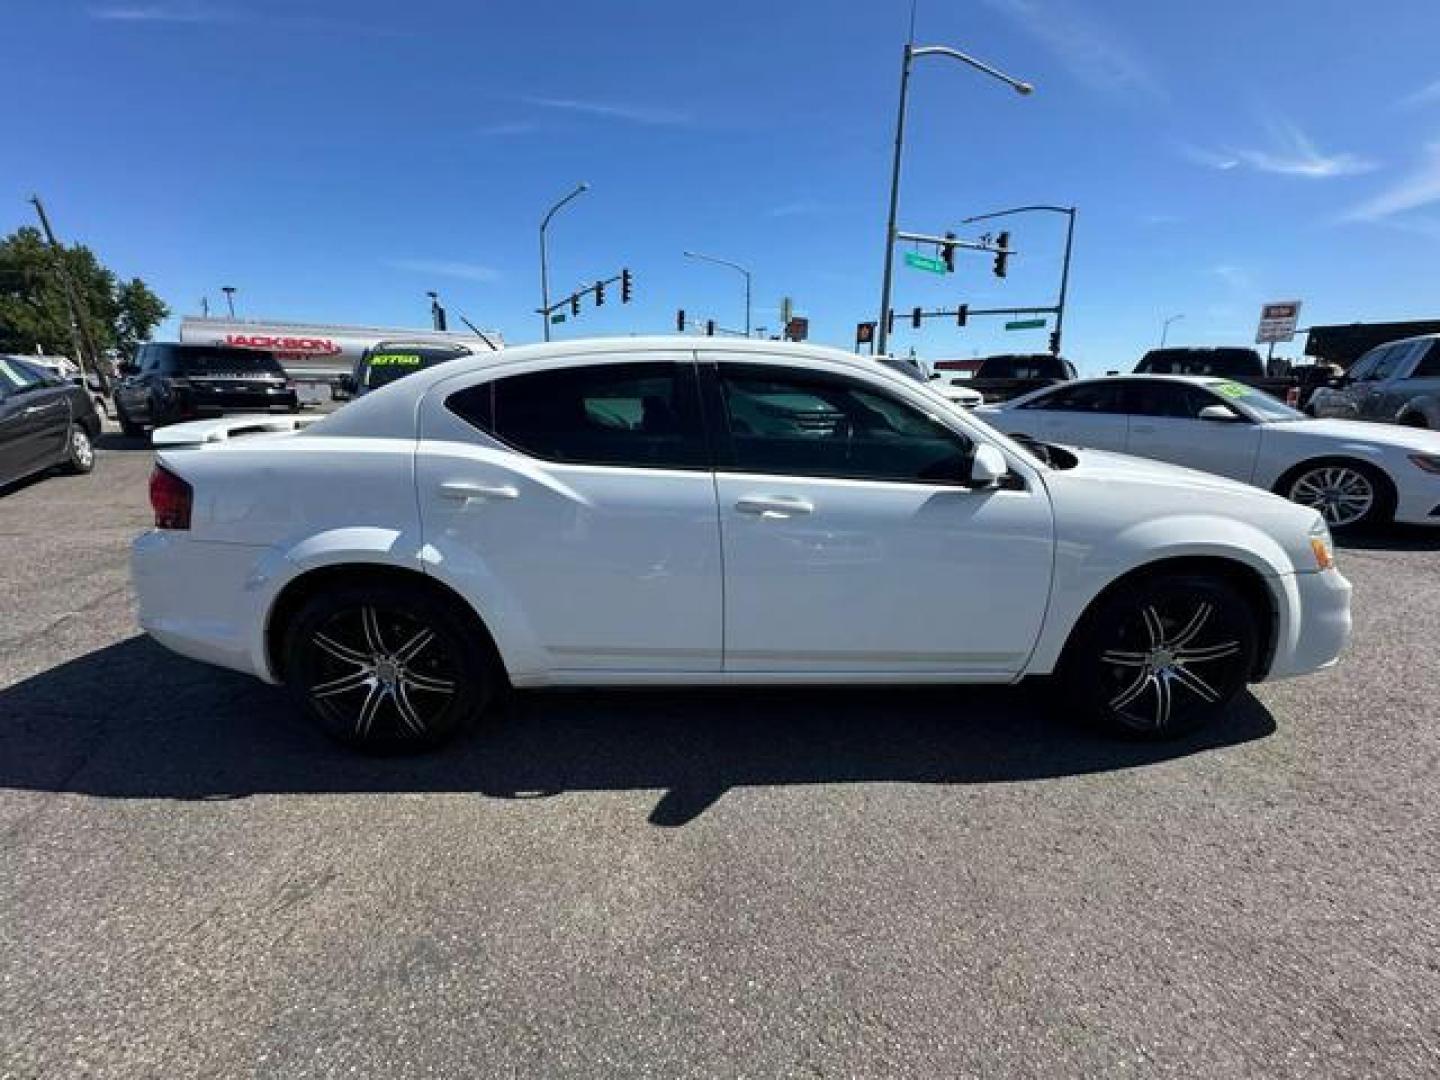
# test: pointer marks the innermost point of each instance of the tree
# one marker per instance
(33, 308)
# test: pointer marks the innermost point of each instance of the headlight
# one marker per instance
(1322, 546)
(1429, 462)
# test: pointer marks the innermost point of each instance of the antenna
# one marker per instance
(478, 332)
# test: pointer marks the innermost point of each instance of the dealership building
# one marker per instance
(317, 353)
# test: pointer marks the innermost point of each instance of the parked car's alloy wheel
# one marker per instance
(79, 450)
(1163, 657)
(1346, 493)
(386, 669)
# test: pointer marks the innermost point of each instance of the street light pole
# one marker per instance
(580, 188)
(1068, 211)
(1165, 330)
(733, 266)
(911, 52)
(229, 291)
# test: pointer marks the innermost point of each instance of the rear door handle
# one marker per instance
(464, 492)
(775, 507)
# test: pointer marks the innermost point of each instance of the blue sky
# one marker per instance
(334, 160)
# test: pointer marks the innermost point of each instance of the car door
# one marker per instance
(1165, 424)
(849, 546)
(36, 420)
(1090, 414)
(1374, 392)
(579, 499)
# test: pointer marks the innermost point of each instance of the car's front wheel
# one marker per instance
(387, 669)
(1348, 494)
(79, 450)
(1162, 656)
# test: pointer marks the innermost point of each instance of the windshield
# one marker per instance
(225, 362)
(1020, 367)
(383, 368)
(1256, 403)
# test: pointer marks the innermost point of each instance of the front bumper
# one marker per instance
(1318, 627)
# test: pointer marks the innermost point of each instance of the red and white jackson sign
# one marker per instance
(287, 348)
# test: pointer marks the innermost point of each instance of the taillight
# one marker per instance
(1292, 397)
(171, 499)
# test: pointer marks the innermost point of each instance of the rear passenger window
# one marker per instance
(1429, 367)
(1091, 397)
(645, 415)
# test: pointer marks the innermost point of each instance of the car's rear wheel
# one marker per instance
(1348, 494)
(79, 450)
(1162, 656)
(387, 669)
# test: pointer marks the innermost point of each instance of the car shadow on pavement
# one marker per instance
(135, 721)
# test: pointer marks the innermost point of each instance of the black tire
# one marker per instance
(350, 644)
(1162, 656)
(1415, 420)
(79, 450)
(127, 426)
(1349, 494)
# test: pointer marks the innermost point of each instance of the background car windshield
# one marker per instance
(384, 368)
(1203, 362)
(1258, 404)
(225, 362)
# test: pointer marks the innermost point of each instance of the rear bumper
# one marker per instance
(1319, 626)
(201, 600)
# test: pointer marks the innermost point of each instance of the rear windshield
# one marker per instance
(382, 368)
(1021, 367)
(1202, 362)
(223, 362)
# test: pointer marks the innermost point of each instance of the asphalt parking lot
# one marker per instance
(857, 883)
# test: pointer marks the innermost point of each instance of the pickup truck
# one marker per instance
(1238, 364)
(1002, 378)
(1395, 383)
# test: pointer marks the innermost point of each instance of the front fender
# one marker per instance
(1084, 568)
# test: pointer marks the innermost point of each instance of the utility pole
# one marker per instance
(85, 351)
(229, 291)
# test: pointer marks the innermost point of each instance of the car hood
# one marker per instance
(1108, 466)
(1358, 432)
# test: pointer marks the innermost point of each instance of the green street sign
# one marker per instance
(1026, 324)
(924, 262)
(558, 317)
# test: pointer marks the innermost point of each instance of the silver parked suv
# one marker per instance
(1395, 383)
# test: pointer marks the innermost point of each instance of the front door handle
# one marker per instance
(465, 492)
(775, 507)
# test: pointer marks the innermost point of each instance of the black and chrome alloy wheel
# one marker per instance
(382, 670)
(1165, 657)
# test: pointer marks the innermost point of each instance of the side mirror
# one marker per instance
(1219, 413)
(987, 467)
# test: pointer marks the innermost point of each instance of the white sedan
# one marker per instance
(657, 512)
(1354, 473)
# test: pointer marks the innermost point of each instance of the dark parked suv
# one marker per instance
(170, 382)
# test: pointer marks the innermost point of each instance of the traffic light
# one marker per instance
(915, 318)
(709, 327)
(1054, 342)
(865, 333)
(962, 315)
(599, 294)
(890, 321)
(947, 253)
(575, 305)
(625, 286)
(1002, 256)
(680, 321)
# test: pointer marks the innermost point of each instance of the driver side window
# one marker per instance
(799, 423)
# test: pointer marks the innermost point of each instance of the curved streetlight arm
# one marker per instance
(1018, 85)
(1017, 210)
(580, 189)
(733, 266)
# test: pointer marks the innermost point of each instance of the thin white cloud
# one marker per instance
(1290, 152)
(1426, 95)
(1419, 188)
(1093, 52)
(630, 114)
(445, 268)
(1236, 278)
(162, 13)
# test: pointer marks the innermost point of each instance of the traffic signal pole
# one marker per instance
(1069, 212)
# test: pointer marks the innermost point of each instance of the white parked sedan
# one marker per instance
(1354, 473)
(657, 512)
